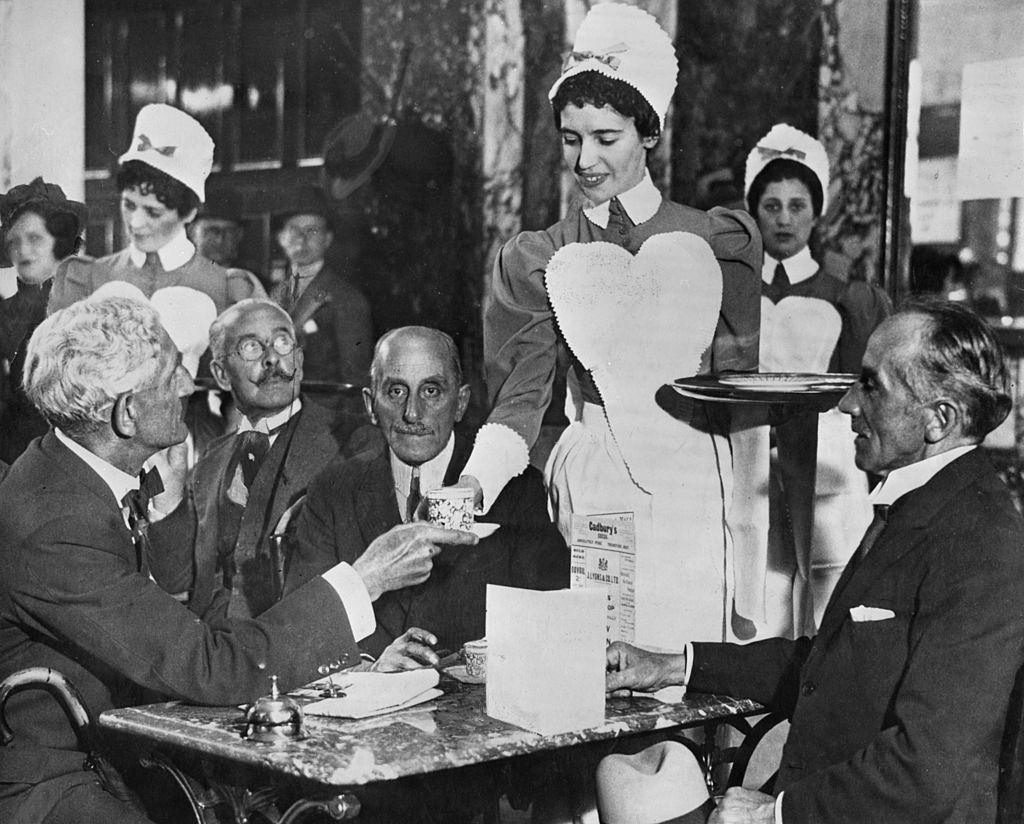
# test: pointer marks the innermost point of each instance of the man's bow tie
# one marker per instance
(137, 500)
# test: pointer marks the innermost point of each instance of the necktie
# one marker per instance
(881, 516)
(136, 505)
(250, 450)
(412, 503)
(294, 290)
(618, 224)
(779, 286)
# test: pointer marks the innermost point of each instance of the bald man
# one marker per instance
(416, 399)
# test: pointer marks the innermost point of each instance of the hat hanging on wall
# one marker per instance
(355, 148)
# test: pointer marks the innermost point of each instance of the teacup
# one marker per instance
(475, 655)
(451, 507)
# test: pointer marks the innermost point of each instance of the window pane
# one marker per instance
(264, 37)
(201, 90)
(332, 34)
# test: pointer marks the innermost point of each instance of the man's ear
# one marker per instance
(368, 403)
(220, 375)
(329, 237)
(463, 404)
(123, 415)
(190, 217)
(945, 419)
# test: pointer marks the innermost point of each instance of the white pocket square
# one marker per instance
(863, 613)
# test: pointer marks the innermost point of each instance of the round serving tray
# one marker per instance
(766, 387)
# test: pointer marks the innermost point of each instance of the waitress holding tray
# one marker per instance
(643, 291)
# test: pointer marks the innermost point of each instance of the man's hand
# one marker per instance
(630, 668)
(404, 555)
(411, 650)
(740, 806)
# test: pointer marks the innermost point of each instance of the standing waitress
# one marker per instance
(811, 321)
(698, 547)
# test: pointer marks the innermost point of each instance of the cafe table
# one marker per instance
(340, 759)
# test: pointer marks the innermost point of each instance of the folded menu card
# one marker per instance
(546, 658)
(372, 693)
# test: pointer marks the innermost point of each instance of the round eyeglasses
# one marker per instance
(253, 349)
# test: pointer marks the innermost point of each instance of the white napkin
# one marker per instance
(374, 693)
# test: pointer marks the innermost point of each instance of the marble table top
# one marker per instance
(451, 731)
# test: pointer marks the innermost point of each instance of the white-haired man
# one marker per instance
(75, 593)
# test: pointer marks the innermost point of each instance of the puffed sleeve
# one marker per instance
(736, 242)
(862, 306)
(520, 349)
(73, 281)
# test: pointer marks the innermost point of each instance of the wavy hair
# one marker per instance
(81, 358)
(959, 357)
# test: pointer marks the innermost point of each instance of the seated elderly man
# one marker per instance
(75, 587)
(416, 398)
(898, 704)
(249, 478)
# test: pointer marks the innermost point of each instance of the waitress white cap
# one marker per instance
(625, 43)
(175, 143)
(785, 142)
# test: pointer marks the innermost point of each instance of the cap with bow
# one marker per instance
(784, 142)
(173, 142)
(625, 43)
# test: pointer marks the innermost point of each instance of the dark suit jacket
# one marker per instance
(72, 598)
(302, 449)
(353, 501)
(900, 719)
(341, 347)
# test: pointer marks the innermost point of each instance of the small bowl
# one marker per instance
(475, 655)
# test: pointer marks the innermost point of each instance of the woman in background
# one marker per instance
(39, 228)
(811, 321)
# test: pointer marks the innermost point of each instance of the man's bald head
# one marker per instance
(416, 394)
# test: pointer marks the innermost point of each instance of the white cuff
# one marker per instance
(778, 807)
(688, 649)
(354, 597)
(499, 454)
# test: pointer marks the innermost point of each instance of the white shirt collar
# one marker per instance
(120, 483)
(640, 204)
(175, 253)
(310, 270)
(273, 422)
(908, 478)
(800, 266)
(431, 473)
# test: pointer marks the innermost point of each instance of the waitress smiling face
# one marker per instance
(603, 150)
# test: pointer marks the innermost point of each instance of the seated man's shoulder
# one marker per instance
(349, 469)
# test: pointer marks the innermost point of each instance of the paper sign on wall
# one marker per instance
(991, 157)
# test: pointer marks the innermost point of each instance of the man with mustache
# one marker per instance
(76, 588)
(249, 478)
(416, 398)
